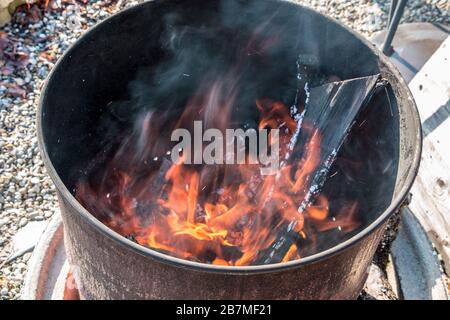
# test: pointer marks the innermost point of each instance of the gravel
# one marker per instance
(26, 193)
(369, 16)
(31, 44)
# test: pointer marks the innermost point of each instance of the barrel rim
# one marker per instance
(167, 259)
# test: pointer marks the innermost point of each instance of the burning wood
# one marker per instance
(332, 109)
(230, 211)
(233, 215)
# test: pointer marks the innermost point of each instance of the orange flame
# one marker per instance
(222, 214)
(243, 214)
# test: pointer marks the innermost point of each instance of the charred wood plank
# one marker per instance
(332, 110)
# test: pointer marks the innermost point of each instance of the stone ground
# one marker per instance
(29, 47)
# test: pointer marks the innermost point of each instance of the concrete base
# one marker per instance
(48, 277)
(416, 263)
(413, 45)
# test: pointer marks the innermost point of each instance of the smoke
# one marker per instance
(212, 65)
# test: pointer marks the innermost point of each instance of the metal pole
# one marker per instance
(391, 11)
(392, 28)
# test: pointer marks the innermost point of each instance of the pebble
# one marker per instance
(23, 222)
(48, 214)
(3, 221)
(34, 180)
(21, 266)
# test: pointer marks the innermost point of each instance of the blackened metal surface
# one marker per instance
(96, 71)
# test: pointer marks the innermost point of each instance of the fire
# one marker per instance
(199, 216)
(220, 214)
